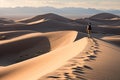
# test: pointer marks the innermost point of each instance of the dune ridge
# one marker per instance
(32, 44)
(95, 63)
(52, 47)
(46, 60)
(45, 16)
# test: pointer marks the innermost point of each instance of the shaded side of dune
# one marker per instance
(19, 48)
(42, 64)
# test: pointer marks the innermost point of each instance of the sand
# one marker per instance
(99, 61)
(30, 45)
(41, 63)
(82, 59)
(51, 47)
(113, 39)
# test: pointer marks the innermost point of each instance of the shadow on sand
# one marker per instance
(12, 52)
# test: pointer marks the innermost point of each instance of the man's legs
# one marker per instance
(89, 32)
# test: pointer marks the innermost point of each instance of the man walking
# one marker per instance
(89, 28)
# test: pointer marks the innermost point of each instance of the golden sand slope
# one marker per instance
(99, 61)
(66, 59)
(16, 49)
(106, 66)
(60, 38)
(36, 67)
(113, 39)
(13, 34)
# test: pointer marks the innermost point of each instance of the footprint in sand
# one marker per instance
(88, 67)
(67, 76)
(53, 77)
(86, 59)
(78, 70)
(96, 44)
(87, 53)
(92, 57)
(96, 52)
(75, 69)
(80, 78)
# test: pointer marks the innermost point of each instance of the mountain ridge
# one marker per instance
(70, 12)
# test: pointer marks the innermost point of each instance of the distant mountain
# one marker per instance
(70, 12)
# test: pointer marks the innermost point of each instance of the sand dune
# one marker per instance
(51, 47)
(35, 22)
(52, 22)
(13, 34)
(102, 23)
(104, 16)
(110, 38)
(6, 21)
(46, 16)
(32, 44)
(10, 49)
(99, 61)
(42, 63)
(106, 65)
(44, 26)
(113, 39)
(60, 38)
(70, 60)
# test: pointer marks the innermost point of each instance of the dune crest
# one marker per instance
(42, 63)
(52, 47)
(35, 22)
(95, 63)
(45, 16)
(32, 44)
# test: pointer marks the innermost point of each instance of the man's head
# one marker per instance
(89, 23)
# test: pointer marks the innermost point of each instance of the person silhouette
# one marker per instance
(89, 28)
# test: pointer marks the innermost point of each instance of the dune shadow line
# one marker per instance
(11, 53)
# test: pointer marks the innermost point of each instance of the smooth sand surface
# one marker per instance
(62, 57)
(35, 22)
(84, 59)
(13, 34)
(26, 46)
(110, 38)
(106, 66)
(60, 53)
(113, 39)
(41, 65)
(99, 61)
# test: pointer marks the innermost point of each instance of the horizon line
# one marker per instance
(57, 8)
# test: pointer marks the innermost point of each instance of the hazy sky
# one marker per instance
(99, 4)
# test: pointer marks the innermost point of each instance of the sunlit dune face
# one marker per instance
(39, 21)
